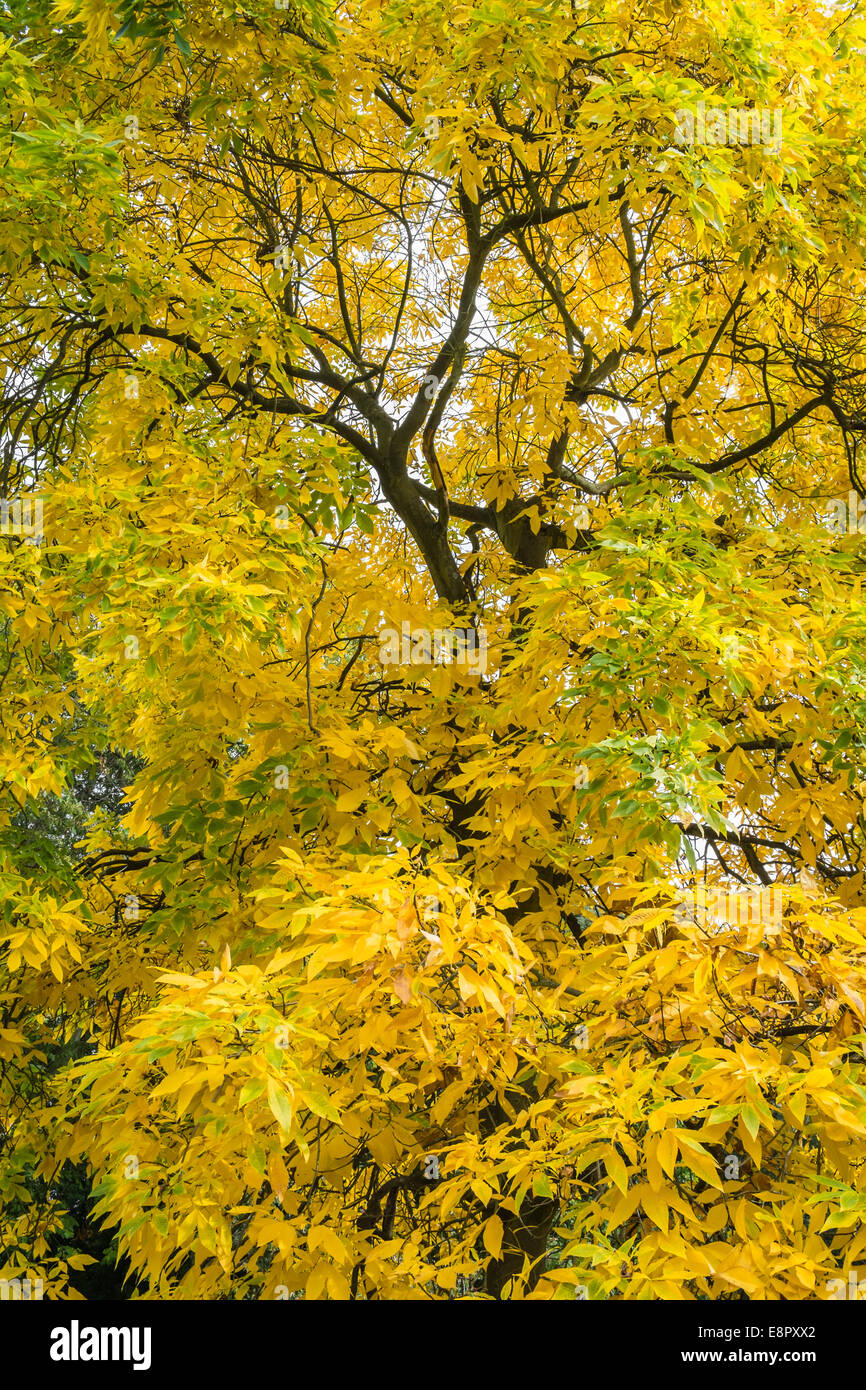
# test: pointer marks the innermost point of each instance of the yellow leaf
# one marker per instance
(655, 1207)
(317, 1280)
(349, 801)
(667, 1151)
(280, 1105)
(322, 1237)
(175, 1080)
(493, 1232)
(278, 1175)
(616, 1170)
(403, 986)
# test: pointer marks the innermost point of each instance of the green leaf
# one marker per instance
(249, 1091)
(280, 1106)
(257, 1159)
(321, 1106)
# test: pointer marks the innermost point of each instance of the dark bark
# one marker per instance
(524, 1237)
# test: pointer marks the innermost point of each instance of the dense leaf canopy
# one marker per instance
(329, 331)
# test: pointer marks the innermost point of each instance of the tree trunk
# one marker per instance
(524, 1235)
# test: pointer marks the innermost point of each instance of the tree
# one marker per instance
(435, 415)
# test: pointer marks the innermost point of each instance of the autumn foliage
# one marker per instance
(349, 973)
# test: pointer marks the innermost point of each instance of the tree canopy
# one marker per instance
(432, 837)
